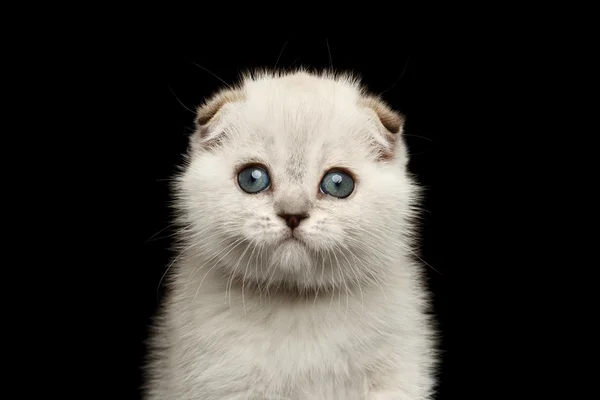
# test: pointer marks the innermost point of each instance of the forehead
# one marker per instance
(297, 124)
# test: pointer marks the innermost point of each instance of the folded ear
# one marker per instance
(388, 142)
(208, 132)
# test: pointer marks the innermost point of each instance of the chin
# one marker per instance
(292, 257)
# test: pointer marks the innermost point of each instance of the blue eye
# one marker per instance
(337, 184)
(253, 179)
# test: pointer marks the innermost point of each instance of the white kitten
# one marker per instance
(295, 278)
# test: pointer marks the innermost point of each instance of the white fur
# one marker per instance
(339, 313)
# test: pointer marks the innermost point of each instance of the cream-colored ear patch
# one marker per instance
(391, 120)
(210, 108)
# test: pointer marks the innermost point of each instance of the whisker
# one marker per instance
(209, 71)
(230, 281)
(362, 298)
(237, 243)
(162, 230)
(180, 102)
(400, 77)
(329, 52)
(244, 278)
(169, 267)
(321, 279)
(348, 291)
(418, 136)
(401, 244)
(280, 53)
(424, 262)
(332, 280)
(292, 64)
(211, 258)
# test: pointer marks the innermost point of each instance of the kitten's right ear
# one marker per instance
(208, 131)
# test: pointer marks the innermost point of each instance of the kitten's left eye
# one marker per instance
(337, 184)
(254, 179)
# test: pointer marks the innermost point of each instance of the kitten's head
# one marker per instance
(297, 179)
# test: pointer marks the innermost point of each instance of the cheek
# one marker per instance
(384, 196)
(374, 211)
(209, 196)
(325, 229)
(261, 227)
(213, 200)
(259, 222)
(208, 179)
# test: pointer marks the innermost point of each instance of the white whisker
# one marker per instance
(233, 273)
(244, 278)
(231, 247)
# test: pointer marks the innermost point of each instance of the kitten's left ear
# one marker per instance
(389, 141)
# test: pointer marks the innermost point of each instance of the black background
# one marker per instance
(136, 113)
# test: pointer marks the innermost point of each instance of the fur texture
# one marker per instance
(334, 309)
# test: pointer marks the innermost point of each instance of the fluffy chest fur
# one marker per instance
(314, 346)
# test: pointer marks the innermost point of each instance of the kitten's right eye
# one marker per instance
(254, 179)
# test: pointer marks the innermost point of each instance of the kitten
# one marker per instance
(295, 278)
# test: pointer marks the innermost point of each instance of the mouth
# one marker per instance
(292, 238)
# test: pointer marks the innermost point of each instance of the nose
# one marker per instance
(293, 220)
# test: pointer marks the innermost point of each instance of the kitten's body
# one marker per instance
(334, 310)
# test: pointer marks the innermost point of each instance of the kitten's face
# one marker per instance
(305, 147)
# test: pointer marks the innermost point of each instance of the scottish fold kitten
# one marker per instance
(295, 278)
